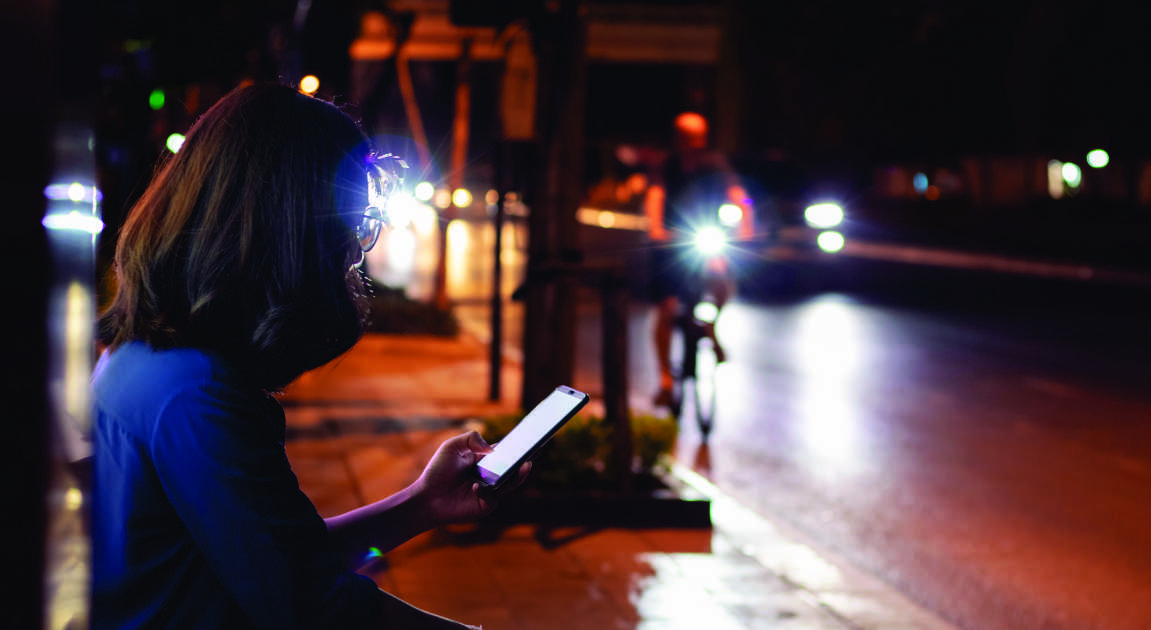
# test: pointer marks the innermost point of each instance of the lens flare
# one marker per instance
(401, 211)
(710, 241)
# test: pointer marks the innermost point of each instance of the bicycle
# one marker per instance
(691, 375)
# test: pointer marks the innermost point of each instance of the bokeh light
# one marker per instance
(706, 312)
(73, 222)
(425, 191)
(830, 241)
(1055, 179)
(1072, 174)
(443, 199)
(310, 84)
(1098, 158)
(730, 214)
(462, 198)
(74, 191)
(175, 142)
(823, 215)
(156, 99)
(919, 181)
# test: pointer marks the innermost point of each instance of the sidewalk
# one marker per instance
(363, 427)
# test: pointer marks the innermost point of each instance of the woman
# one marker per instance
(236, 274)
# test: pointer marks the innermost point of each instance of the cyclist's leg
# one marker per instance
(665, 319)
(665, 280)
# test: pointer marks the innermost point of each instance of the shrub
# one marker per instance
(581, 456)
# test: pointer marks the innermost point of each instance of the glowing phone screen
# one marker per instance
(534, 427)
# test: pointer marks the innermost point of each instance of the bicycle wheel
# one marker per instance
(703, 387)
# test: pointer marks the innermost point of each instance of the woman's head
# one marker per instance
(244, 243)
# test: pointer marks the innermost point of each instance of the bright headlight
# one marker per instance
(823, 215)
(830, 241)
(710, 240)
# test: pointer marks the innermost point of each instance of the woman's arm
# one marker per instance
(446, 492)
(653, 207)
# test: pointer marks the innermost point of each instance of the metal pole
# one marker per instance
(497, 342)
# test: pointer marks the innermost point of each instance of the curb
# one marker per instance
(855, 598)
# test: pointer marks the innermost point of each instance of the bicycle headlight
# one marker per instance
(710, 241)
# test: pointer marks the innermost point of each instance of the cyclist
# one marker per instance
(685, 194)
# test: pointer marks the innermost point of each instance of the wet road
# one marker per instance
(992, 467)
(983, 447)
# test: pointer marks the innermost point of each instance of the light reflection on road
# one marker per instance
(828, 351)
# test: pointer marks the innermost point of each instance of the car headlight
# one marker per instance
(823, 215)
(830, 241)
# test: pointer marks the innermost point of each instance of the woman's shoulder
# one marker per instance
(138, 383)
(139, 364)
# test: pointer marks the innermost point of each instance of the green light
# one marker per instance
(156, 99)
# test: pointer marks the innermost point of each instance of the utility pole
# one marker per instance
(517, 122)
(559, 35)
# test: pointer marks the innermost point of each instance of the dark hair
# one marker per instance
(244, 242)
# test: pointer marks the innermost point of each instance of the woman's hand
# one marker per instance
(449, 489)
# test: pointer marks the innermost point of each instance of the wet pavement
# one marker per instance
(362, 427)
(976, 440)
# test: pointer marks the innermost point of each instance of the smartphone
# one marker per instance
(526, 438)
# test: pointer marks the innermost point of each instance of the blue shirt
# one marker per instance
(197, 519)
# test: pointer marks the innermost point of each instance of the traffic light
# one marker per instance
(498, 13)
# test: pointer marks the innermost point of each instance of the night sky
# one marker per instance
(825, 81)
(887, 79)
